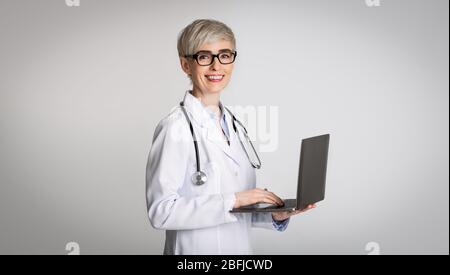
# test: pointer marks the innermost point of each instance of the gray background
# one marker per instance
(83, 88)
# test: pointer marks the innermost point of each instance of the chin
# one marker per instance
(216, 90)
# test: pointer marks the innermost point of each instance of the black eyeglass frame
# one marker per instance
(195, 56)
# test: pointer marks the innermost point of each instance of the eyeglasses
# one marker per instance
(205, 58)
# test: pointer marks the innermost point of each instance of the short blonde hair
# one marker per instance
(203, 31)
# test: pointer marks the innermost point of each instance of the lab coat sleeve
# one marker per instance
(165, 174)
(265, 220)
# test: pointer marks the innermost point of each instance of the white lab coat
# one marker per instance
(197, 218)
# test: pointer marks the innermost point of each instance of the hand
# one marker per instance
(281, 216)
(257, 195)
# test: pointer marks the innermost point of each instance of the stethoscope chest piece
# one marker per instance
(199, 178)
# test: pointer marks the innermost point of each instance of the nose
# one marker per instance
(216, 64)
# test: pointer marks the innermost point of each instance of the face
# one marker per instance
(212, 78)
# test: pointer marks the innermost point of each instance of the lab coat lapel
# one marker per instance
(195, 108)
(200, 115)
(216, 137)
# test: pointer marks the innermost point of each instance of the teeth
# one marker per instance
(214, 77)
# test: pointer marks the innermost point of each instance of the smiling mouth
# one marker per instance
(215, 78)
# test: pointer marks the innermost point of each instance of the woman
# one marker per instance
(194, 208)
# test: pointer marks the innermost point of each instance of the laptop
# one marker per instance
(311, 178)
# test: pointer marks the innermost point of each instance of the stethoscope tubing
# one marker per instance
(199, 176)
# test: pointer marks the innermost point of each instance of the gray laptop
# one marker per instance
(311, 178)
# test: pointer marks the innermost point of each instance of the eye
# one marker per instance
(204, 57)
(225, 55)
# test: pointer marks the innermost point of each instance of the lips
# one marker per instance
(214, 77)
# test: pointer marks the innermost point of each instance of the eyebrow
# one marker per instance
(220, 51)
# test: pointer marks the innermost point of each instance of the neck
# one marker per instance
(209, 100)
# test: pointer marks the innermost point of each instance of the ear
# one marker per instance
(185, 66)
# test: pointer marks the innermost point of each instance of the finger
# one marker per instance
(278, 199)
(308, 207)
(305, 209)
(271, 199)
(265, 199)
(297, 211)
(268, 197)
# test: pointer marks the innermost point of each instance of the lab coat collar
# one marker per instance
(196, 109)
(204, 118)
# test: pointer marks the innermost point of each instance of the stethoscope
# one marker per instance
(199, 177)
